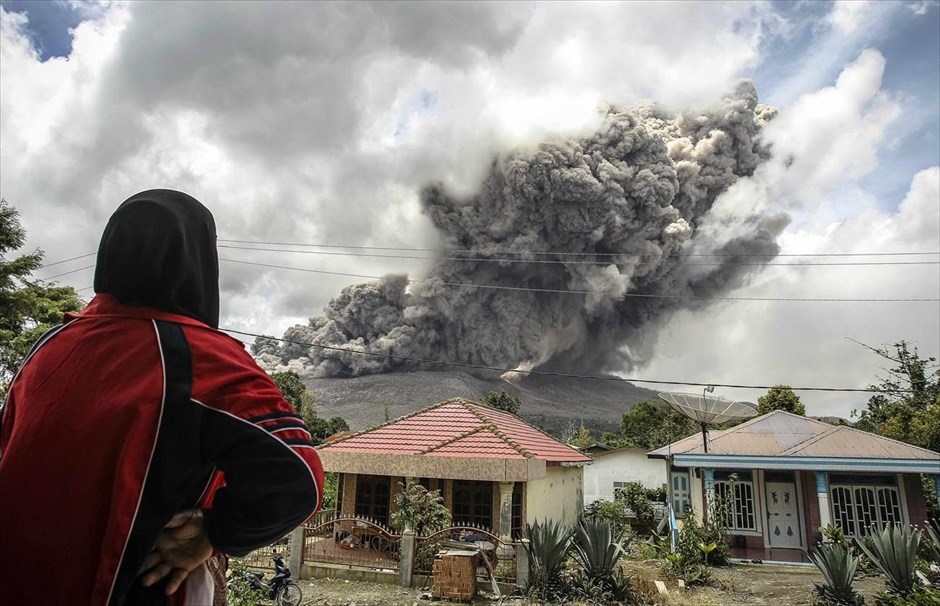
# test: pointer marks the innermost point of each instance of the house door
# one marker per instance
(783, 515)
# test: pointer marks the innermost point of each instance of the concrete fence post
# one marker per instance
(296, 560)
(407, 557)
(522, 562)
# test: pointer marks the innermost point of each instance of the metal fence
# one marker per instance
(353, 541)
(261, 558)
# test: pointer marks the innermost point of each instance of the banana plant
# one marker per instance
(894, 552)
(838, 566)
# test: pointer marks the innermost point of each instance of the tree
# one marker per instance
(780, 397)
(501, 400)
(321, 429)
(652, 424)
(420, 510)
(906, 406)
(28, 307)
(582, 438)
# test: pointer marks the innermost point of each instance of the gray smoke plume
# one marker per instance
(633, 199)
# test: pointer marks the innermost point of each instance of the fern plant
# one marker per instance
(894, 552)
(838, 566)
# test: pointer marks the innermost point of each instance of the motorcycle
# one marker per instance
(281, 588)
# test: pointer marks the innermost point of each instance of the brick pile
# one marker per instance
(454, 576)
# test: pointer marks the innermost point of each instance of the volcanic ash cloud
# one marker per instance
(632, 199)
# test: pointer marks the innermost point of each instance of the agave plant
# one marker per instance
(596, 550)
(894, 552)
(932, 541)
(838, 566)
(548, 547)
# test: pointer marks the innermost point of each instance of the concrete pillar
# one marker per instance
(296, 560)
(936, 485)
(505, 510)
(709, 475)
(822, 495)
(522, 562)
(407, 557)
(348, 506)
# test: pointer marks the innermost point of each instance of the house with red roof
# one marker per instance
(493, 469)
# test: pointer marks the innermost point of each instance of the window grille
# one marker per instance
(858, 508)
(735, 504)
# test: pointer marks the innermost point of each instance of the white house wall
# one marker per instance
(631, 465)
(556, 497)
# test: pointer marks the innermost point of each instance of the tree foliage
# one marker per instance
(652, 424)
(502, 400)
(420, 510)
(582, 438)
(906, 406)
(780, 397)
(28, 307)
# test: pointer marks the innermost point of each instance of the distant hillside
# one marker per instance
(552, 403)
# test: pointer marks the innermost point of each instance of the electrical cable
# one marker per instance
(66, 260)
(65, 273)
(586, 292)
(670, 260)
(546, 373)
(516, 252)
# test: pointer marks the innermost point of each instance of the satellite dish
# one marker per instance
(707, 409)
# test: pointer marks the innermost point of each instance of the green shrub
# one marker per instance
(612, 512)
(238, 589)
(419, 509)
(635, 497)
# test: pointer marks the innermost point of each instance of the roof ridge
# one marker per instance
(391, 421)
(534, 428)
(488, 424)
(449, 441)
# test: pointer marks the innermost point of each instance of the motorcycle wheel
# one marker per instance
(289, 595)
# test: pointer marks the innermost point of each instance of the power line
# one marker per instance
(65, 273)
(516, 252)
(66, 260)
(670, 260)
(545, 373)
(585, 292)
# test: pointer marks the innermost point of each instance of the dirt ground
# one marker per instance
(739, 585)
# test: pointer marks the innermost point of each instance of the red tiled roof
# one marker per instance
(459, 428)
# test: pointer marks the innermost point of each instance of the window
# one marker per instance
(473, 503)
(372, 497)
(734, 502)
(681, 500)
(859, 503)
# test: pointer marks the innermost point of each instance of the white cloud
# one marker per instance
(847, 15)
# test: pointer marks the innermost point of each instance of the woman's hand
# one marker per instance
(181, 547)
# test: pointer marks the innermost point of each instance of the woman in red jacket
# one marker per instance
(129, 413)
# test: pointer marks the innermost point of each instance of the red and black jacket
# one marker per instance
(121, 417)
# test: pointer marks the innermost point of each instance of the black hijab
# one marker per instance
(158, 250)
